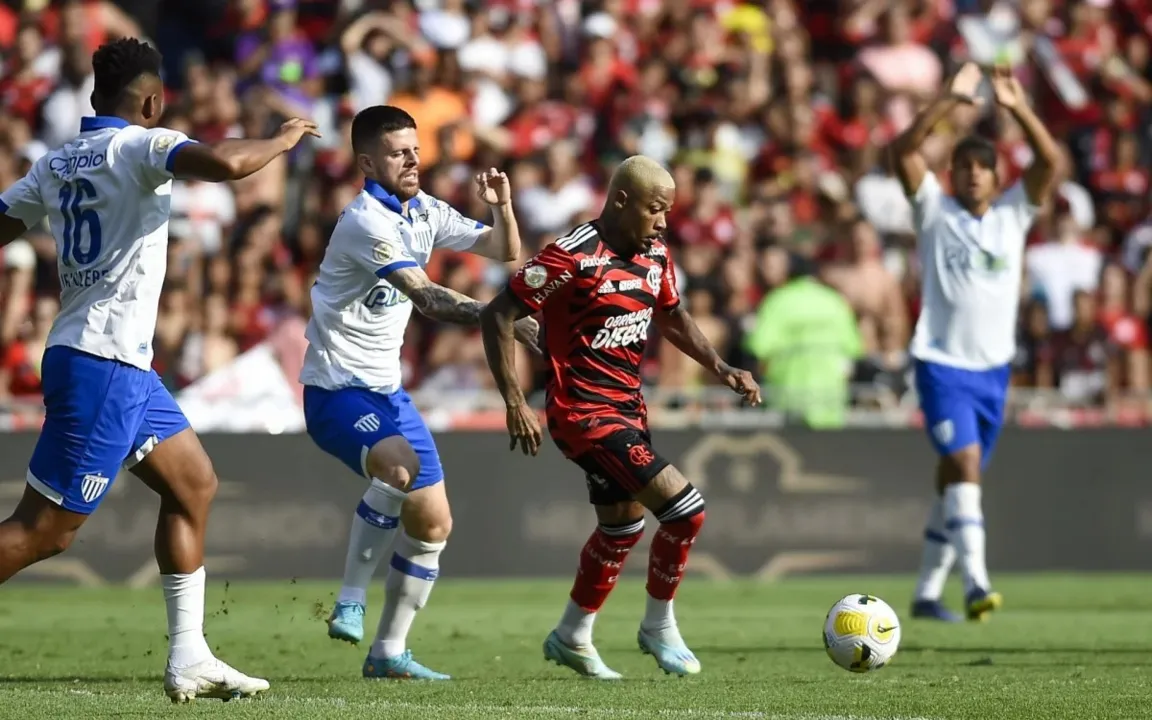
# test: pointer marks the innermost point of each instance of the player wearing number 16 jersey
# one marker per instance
(107, 195)
(599, 289)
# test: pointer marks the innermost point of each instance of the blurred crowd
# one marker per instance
(773, 115)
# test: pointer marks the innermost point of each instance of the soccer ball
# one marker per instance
(861, 633)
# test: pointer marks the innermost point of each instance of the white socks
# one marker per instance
(937, 558)
(184, 599)
(964, 520)
(575, 628)
(658, 616)
(373, 527)
(415, 567)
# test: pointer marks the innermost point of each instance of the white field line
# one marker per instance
(528, 710)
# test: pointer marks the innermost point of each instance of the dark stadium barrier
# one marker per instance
(778, 503)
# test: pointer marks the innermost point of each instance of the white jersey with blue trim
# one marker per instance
(107, 196)
(358, 318)
(971, 270)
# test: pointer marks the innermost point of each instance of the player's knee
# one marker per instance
(961, 466)
(686, 508)
(620, 514)
(46, 541)
(435, 530)
(393, 462)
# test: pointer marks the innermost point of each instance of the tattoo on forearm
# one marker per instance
(440, 303)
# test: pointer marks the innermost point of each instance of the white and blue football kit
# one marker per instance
(107, 196)
(353, 396)
(965, 337)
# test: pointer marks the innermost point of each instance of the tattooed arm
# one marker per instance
(440, 303)
(436, 301)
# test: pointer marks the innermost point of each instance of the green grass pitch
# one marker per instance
(1064, 647)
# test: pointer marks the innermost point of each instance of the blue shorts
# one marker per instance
(962, 407)
(347, 423)
(100, 415)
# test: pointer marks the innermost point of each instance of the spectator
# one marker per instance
(1062, 266)
(773, 116)
(806, 340)
(1085, 361)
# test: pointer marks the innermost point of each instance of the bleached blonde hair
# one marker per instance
(638, 176)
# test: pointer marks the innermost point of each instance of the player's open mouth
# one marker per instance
(410, 175)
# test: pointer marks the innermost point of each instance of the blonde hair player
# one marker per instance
(601, 287)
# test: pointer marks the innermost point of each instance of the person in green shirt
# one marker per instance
(806, 339)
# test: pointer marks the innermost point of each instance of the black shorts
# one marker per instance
(620, 465)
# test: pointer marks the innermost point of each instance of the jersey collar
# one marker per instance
(389, 200)
(102, 122)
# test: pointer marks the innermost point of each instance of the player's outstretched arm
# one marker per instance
(1040, 177)
(905, 150)
(447, 305)
(497, 326)
(236, 159)
(678, 328)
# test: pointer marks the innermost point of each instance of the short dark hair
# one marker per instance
(978, 148)
(370, 124)
(117, 64)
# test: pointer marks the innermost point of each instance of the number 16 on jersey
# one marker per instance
(73, 196)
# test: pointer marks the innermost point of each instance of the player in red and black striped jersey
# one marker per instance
(598, 290)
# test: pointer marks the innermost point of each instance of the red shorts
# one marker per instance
(615, 454)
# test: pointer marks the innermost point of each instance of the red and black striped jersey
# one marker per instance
(596, 309)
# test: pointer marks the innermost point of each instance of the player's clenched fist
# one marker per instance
(742, 382)
(524, 429)
(493, 187)
(295, 129)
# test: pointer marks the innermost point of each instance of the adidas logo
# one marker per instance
(606, 287)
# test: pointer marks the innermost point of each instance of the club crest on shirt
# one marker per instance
(654, 274)
(382, 253)
(163, 143)
(535, 276)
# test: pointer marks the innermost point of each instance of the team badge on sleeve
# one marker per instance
(164, 143)
(535, 276)
(383, 253)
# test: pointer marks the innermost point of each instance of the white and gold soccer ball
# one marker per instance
(861, 633)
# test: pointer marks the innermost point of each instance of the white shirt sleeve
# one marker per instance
(23, 201)
(450, 229)
(1018, 207)
(373, 245)
(927, 203)
(152, 153)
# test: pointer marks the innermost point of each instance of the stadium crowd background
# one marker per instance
(772, 115)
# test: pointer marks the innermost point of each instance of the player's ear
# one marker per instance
(153, 107)
(620, 199)
(367, 167)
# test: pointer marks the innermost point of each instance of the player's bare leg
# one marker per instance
(427, 521)
(392, 465)
(680, 509)
(620, 526)
(37, 530)
(179, 471)
(936, 561)
(959, 474)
